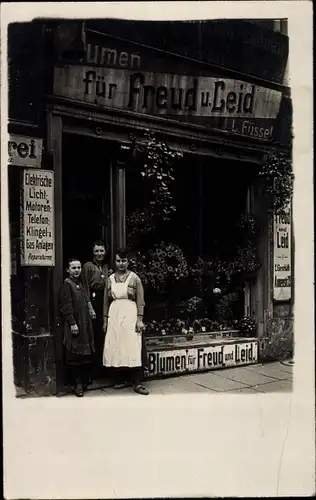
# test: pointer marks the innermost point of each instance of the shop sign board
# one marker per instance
(282, 266)
(233, 105)
(197, 359)
(25, 151)
(37, 218)
(264, 51)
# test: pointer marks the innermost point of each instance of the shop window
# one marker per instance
(185, 262)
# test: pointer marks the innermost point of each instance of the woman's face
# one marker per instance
(74, 269)
(121, 264)
(99, 253)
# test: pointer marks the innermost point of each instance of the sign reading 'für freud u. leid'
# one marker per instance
(282, 256)
(37, 218)
(237, 106)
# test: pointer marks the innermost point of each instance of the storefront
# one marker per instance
(88, 186)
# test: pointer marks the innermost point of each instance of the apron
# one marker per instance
(123, 345)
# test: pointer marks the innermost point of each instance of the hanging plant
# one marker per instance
(247, 326)
(247, 224)
(140, 221)
(278, 178)
(246, 261)
(157, 169)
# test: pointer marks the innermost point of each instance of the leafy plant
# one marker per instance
(182, 291)
(156, 160)
(245, 261)
(140, 222)
(247, 326)
(190, 305)
(189, 326)
(277, 347)
(224, 308)
(278, 178)
(247, 225)
(160, 264)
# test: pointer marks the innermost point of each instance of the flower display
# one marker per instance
(185, 327)
(164, 262)
(141, 220)
(246, 259)
(247, 325)
(247, 223)
(277, 173)
(190, 305)
(185, 295)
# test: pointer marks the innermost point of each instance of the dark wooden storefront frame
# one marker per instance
(65, 116)
(56, 130)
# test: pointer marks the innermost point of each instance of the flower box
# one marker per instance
(177, 338)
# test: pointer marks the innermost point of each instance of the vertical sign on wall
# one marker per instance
(282, 256)
(37, 218)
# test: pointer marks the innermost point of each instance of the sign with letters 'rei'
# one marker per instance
(25, 151)
(282, 267)
(197, 359)
(37, 218)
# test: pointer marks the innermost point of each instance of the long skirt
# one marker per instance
(77, 366)
(123, 345)
(97, 303)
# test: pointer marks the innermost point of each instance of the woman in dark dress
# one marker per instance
(76, 311)
(95, 279)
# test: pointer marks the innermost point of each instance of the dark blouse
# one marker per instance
(94, 277)
(74, 307)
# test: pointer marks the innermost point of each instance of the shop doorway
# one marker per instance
(86, 195)
(86, 206)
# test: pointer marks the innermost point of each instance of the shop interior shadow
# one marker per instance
(86, 195)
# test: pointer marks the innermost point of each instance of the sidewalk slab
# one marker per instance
(255, 379)
(287, 369)
(244, 390)
(215, 382)
(245, 376)
(177, 386)
(96, 392)
(273, 370)
(158, 387)
(276, 386)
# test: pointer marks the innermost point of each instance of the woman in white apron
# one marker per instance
(123, 324)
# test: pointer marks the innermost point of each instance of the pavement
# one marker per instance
(252, 379)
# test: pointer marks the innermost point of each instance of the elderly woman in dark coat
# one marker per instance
(76, 312)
